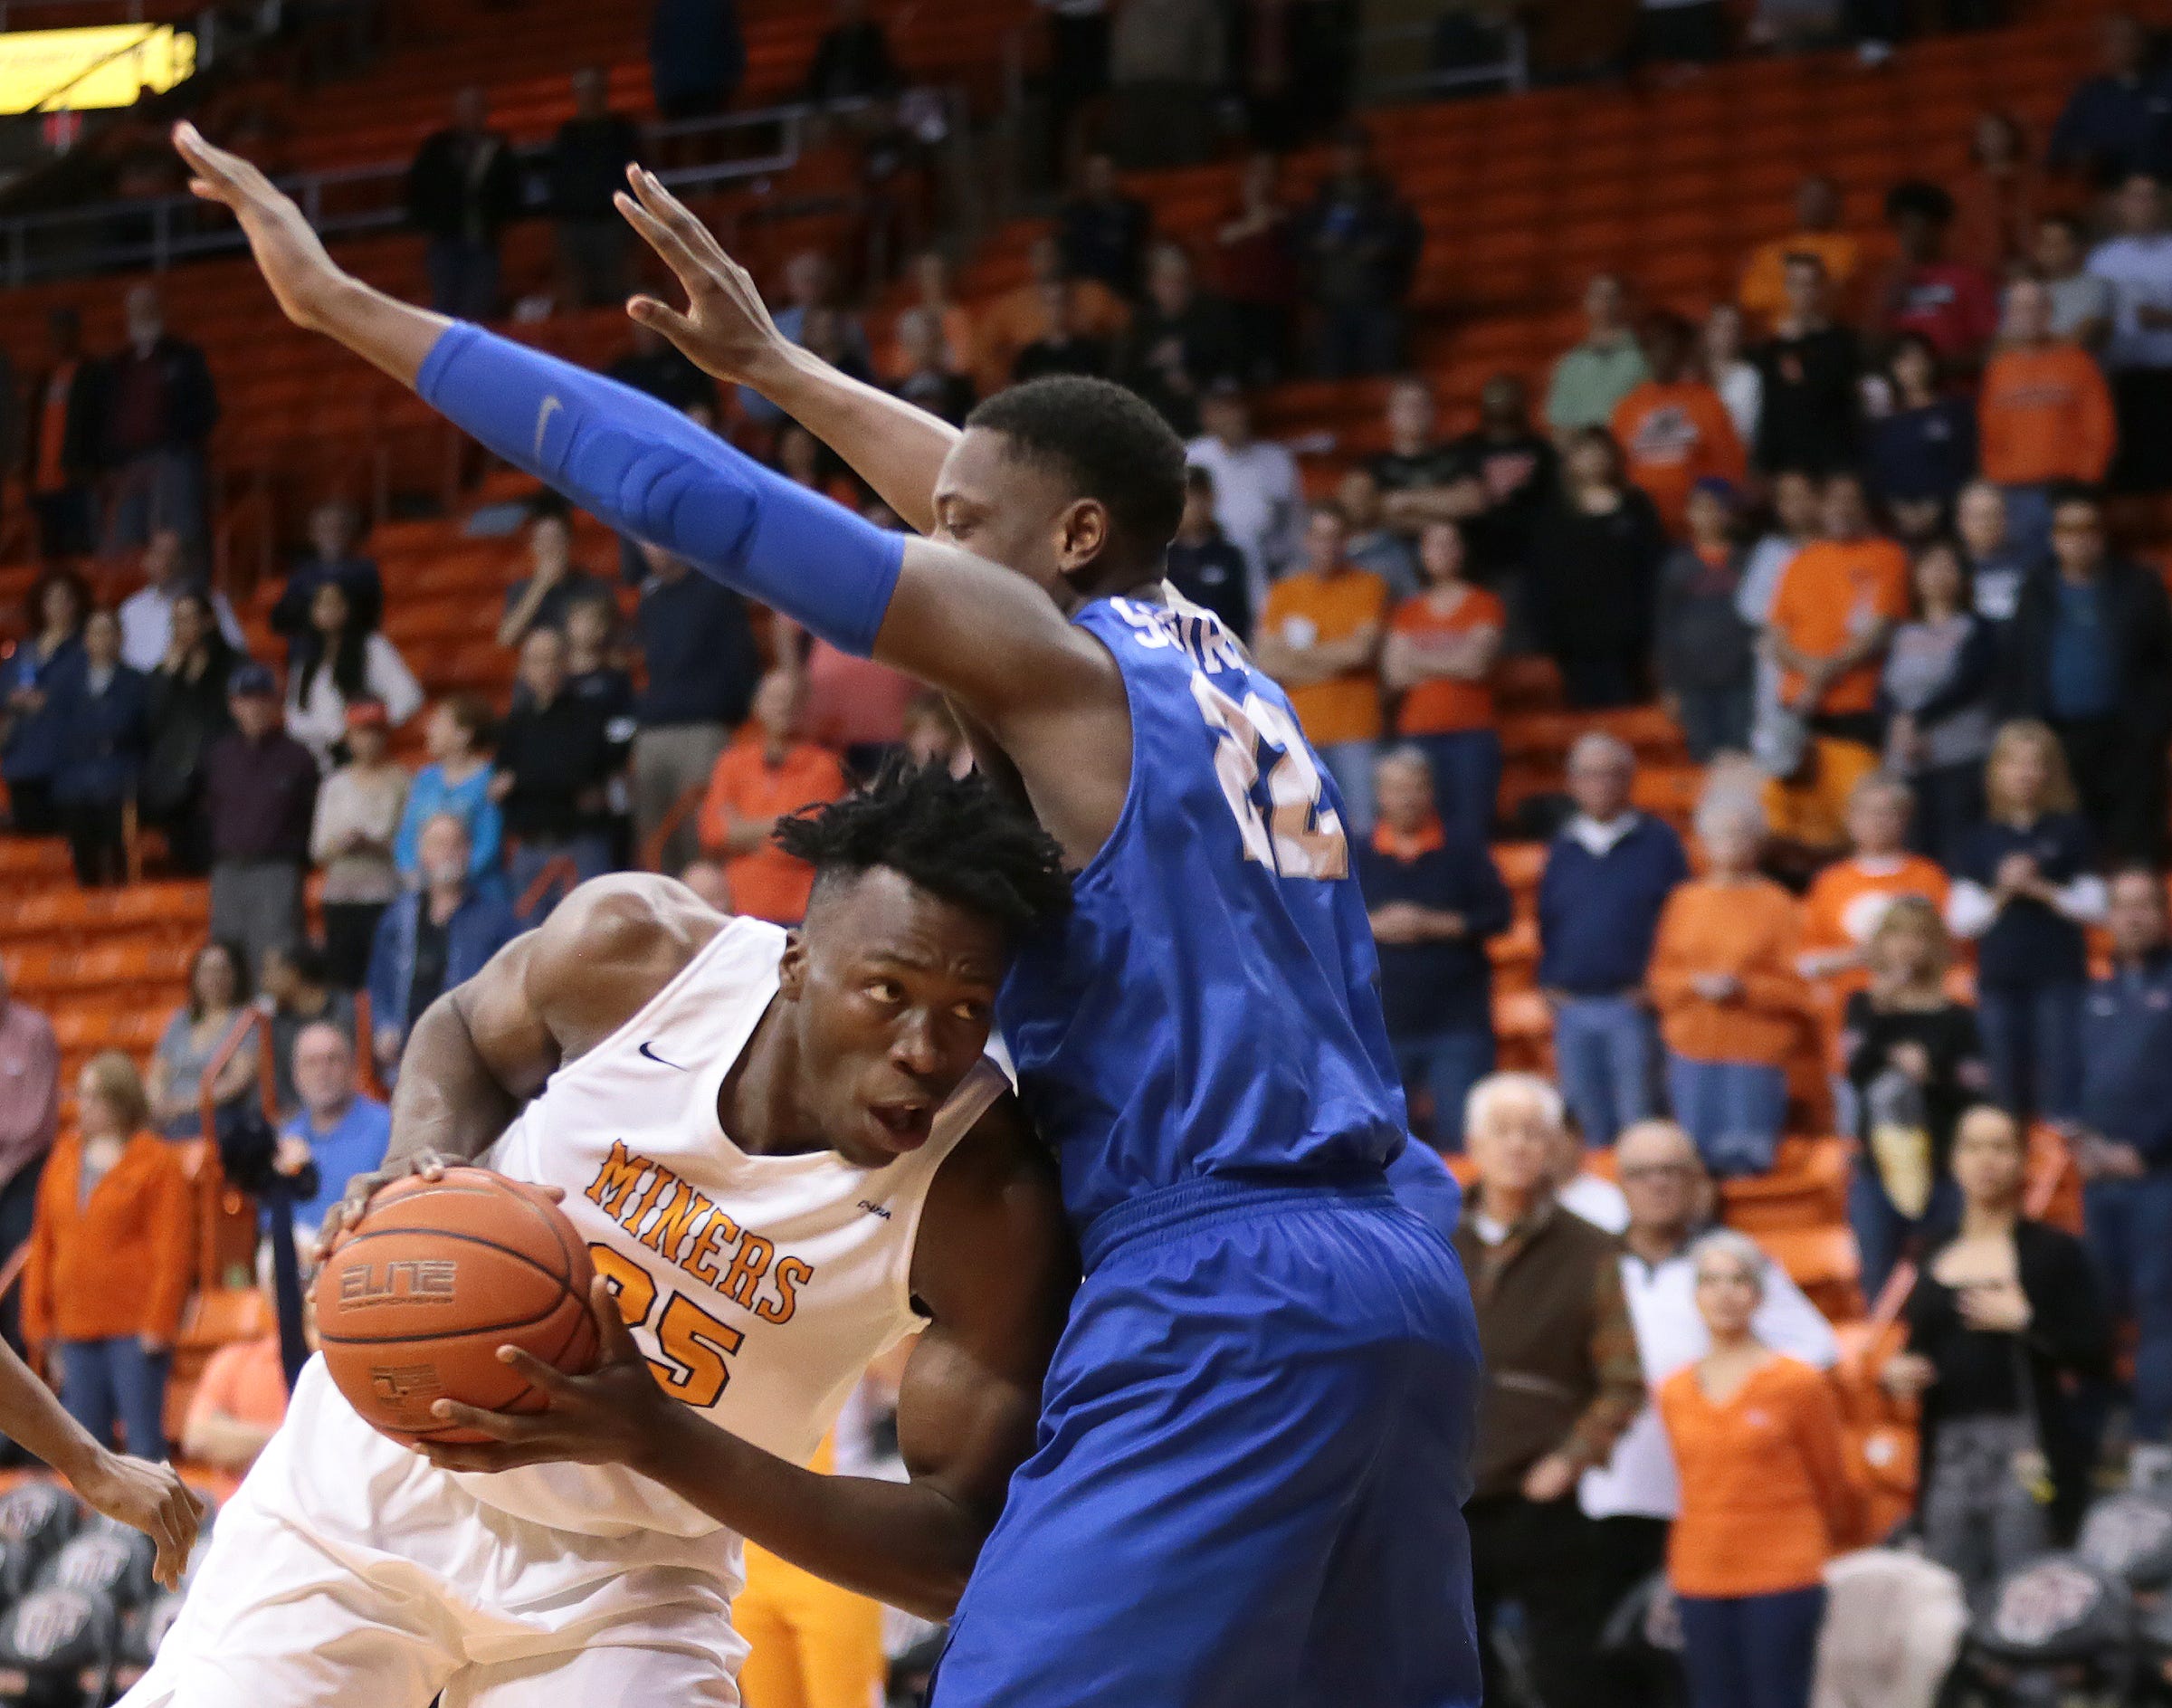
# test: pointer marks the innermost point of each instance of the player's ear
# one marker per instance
(1081, 534)
(791, 967)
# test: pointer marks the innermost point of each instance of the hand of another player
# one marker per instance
(292, 257)
(605, 1417)
(151, 1498)
(725, 329)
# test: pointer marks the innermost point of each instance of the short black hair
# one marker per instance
(953, 836)
(2062, 493)
(1924, 200)
(1111, 443)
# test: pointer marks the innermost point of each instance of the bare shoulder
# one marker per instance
(993, 1236)
(608, 948)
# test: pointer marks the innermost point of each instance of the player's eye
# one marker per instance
(886, 991)
(971, 1011)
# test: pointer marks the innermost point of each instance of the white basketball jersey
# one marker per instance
(758, 1287)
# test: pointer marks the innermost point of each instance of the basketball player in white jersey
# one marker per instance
(787, 1153)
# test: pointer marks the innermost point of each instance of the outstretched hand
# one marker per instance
(725, 330)
(151, 1498)
(289, 254)
(608, 1417)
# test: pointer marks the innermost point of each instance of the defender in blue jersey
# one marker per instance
(1252, 1457)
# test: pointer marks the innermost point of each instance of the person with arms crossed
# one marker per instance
(1202, 1042)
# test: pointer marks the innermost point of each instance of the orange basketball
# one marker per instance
(412, 1305)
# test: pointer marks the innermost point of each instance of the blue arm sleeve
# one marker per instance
(647, 471)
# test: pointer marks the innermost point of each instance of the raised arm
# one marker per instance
(985, 635)
(994, 1268)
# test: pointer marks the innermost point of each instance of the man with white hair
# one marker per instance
(1635, 1496)
(1607, 875)
(1562, 1383)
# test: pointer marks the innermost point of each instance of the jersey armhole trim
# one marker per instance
(739, 931)
(973, 1100)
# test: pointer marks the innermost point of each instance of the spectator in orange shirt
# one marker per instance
(1849, 897)
(1320, 636)
(109, 1256)
(1020, 316)
(767, 773)
(238, 1406)
(1766, 1498)
(1730, 1000)
(1995, 204)
(1673, 429)
(1832, 615)
(1441, 655)
(1816, 232)
(2045, 415)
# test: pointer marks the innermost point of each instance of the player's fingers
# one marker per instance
(684, 265)
(499, 1425)
(614, 1338)
(477, 1458)
(675, 214)
(534, 1369)
(669, 321)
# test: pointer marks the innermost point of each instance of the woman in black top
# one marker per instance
(2025, 889)
(1595, 574)
(2004, 1321)
(1913, 1063)
(188, 713)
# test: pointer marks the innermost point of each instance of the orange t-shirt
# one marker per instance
(1833, 592)
(1674, 436)
(1305, 609)
(1749, 930)
(768, 883)
(244, 1381)
(49, 476)
(1847, 899)
(2044, 415)
(1765, 280)
(1444, 704)
(1771, 1463)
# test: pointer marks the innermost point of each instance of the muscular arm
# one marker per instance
(485, 1048)
(994, 1266)
(985, 635)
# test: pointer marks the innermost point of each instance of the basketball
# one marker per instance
(412, 1305)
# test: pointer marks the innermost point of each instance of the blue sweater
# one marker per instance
(2127, 1058)
(37, 740)
(1597, 914)
(480, 927)
(1427, 989)
(104, 734)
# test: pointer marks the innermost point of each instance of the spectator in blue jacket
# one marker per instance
(2025, 889)
(1923, 451)
(2115, 123)
(1433, 901)
(2124, 1148)
(436, 936)
(29, 751)
(103, 707)
(1607, 875)
(457, 781)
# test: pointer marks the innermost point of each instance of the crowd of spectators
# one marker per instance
(1852, 529)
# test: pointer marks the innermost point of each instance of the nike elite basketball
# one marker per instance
(412, 1306)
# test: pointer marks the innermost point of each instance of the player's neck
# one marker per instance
(758, 1104)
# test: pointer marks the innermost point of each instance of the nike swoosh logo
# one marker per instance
(649, 1050)
(543, 420)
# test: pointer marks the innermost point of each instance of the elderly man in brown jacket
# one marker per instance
(1562, 1383)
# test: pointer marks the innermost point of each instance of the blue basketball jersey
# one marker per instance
(1211, 1006)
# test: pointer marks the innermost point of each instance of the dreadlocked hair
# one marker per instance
(953, 836)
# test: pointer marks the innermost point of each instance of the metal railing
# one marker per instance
(1511, 70)
(156, 233)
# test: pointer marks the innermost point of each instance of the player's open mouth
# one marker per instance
(906, 1125)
